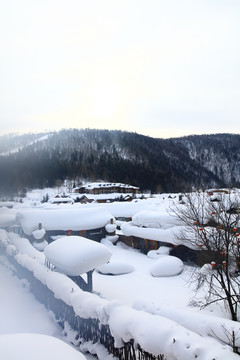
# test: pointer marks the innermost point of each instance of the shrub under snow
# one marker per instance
(167, 266)
(115, 268)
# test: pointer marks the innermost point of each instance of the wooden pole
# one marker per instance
(89, 280)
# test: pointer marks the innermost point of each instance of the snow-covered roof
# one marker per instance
(126, 209)
(76, 255)
(153, 225)
(95, 185)
(154, 219)
(60, 200)
(63, 219)
(162, 235)
(38, 234)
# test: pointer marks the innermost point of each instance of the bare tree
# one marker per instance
(211, 228)
(69, 184)
(58, 184)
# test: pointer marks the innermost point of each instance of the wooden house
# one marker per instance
(97, 188)
(88, 222)
(61, 200)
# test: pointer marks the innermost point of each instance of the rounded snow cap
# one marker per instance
(76, 255)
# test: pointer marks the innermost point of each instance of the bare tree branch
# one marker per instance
(211, 228)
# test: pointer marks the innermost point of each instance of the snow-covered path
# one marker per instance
(19, 311)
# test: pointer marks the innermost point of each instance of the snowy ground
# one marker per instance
(21, 317)
(140, 284)
(169, 296)
(19, 311)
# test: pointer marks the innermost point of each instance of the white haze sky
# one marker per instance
(162, 68)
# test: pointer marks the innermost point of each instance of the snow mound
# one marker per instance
(76, 255)
(154, 219)
(37, 347)
(197, 321)
(206, 269)
(38, 234)
(115, 268)
(24, 247)
(111, 238)
(167, 266)
(7, 217)
(110, 228)
(156, 254)
(40, 246)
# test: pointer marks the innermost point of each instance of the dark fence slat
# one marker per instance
(86, 329)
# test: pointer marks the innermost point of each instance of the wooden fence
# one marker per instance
(86, 329)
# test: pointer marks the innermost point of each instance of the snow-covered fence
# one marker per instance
(123, 332)
(86, 329)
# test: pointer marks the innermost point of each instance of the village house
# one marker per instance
(61, 200)
(92, 223)
(106, 188)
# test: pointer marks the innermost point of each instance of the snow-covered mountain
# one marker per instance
(218, 153)
(177, 164)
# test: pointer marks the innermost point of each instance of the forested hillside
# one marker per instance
(169, 165)
(218, 153)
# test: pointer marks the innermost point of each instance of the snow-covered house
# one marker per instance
(149, 230)
(61, 200)
(87, 222)
(83, 199)
(106, 188)
(101, 198)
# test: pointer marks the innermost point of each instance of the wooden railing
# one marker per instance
(86, 329)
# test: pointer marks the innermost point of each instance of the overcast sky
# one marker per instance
(162, 68)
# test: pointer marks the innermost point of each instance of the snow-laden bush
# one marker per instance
(167, 266)
(156, 254)
(115, 268)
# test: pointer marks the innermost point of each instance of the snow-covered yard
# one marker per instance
(140, 284)
(27, 330)
(148, 288)
(19, 311)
